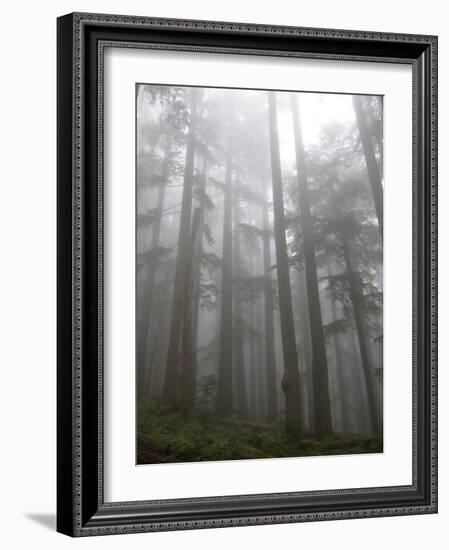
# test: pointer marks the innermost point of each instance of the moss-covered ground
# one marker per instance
(164, 436)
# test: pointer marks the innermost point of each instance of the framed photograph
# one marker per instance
(247, 274)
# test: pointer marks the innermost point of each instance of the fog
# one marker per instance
(259, 257)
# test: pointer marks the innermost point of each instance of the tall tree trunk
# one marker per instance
(358, 319)
(290, 382)
(270, 355)
(172, 374)
(371, 162)
(147, 298)
(239, 357)
(260, 362)
(339, 368)
(252, 360)
(307, 349)
(223, 403)
(378, 134)
(187, 395)
(323, 421)
(362, 419)
(196, 293)
(160, 344)
(252, 348)
(149, 371)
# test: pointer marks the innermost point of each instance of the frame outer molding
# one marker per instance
(70, 268)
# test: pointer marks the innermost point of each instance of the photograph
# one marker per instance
(259, 273)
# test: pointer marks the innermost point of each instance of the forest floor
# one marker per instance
(164, 436)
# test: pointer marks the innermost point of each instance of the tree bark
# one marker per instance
(239, 358)
(307, 349)
(358, 319)
(371, 161)
(270, 355)
(147, 299)
(197, 289)
(187, 393)
(253, 368)
(252, 347)
(362, 419)
(323, 421)
(149, 370)
(260, 360)
(290, 382)
(173, 372)
(340, 369)
(223, 405)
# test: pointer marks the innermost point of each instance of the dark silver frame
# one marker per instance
(81, 42)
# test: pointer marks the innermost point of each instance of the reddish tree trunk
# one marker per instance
(290, 382)
(223, 403)
(323, 421)
(371, 161)
(173, 372)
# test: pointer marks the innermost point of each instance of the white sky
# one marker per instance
(316, 109)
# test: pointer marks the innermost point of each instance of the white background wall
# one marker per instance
(28, 283)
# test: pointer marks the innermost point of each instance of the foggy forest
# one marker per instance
(259, 256)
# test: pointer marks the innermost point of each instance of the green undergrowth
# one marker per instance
(164, 436)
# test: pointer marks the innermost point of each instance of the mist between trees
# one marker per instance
(259, 273)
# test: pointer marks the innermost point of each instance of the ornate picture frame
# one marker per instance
(81, 508)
